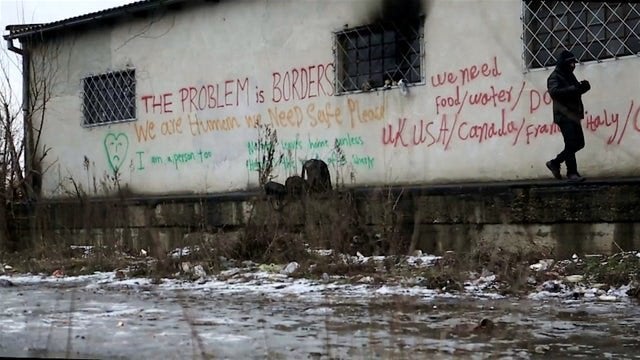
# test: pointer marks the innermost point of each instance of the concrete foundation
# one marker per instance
(557, 218)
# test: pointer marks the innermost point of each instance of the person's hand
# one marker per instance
(585, 86)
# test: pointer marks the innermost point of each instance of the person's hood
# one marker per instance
(565, 58)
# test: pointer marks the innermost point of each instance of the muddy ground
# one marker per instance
(262, 315)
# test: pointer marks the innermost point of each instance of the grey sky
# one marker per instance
(36, 11)
(41, 11)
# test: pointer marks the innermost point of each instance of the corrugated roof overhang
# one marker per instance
(136, 8)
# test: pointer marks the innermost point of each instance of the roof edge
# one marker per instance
(21, 31)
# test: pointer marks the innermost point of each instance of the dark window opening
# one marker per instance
(592, 30)
(109, 98)
(372, 56)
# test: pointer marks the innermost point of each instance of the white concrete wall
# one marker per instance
(242, 46)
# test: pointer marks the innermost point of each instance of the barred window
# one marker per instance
(592, 30)
(109, 98)
(372, 56)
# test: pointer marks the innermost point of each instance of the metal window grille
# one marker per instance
(380, 54)
(109, 97)
(592, 30)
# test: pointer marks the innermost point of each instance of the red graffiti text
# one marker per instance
(212, 96)
(302, 83)
(533, 131)
(467, 74)
(489, 130)
(537, 99)
(160, 103)
(491, 97)
(448, 130)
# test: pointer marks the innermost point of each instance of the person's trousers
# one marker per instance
(573, 142)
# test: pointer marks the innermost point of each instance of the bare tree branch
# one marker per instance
(21, 122)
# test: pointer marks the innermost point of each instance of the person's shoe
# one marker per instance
(576, 178)
(555, 170)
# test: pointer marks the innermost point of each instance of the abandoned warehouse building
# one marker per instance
(166, 118)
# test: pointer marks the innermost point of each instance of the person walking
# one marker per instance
(566, 92)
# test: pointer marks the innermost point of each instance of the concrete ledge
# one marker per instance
(562, 240)
(598, 216)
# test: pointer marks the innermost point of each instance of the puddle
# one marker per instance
(102, 320)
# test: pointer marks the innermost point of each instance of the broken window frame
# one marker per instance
(592, 30)
(378, 55)
(109, 98)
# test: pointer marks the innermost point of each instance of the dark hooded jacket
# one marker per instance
(566, 91)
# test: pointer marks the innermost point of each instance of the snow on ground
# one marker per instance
(275, 281)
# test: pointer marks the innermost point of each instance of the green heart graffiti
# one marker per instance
(116, 147)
